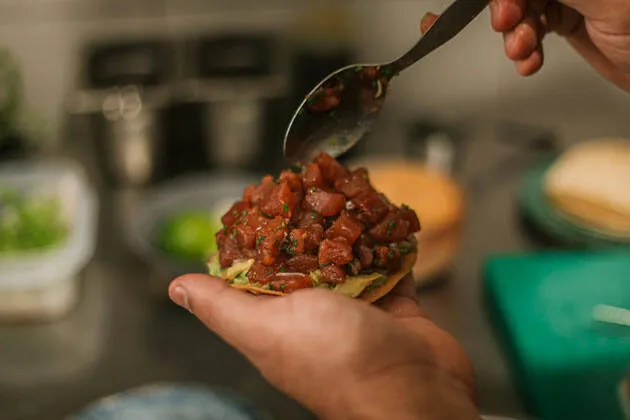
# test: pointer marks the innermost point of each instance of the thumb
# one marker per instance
(427, 21)
(239, 318)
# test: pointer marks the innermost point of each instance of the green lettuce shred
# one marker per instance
(355, 285)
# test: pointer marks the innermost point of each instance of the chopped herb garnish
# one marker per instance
(404, 207)
(287, 246)
(390, 254)
(276, 242)
(387, 71)
(285, 206)
(326, 264)
(283, 224)
(233, 233)
(404, 251)
(282, 269)
(313, 189)
(282, 287)
(297, 168)
(313, 216)
(244, 213)
(260, 239)
(235, 213)
(390, 226)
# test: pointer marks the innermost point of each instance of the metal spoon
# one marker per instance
(342, 108)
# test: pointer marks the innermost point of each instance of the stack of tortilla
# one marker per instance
(590, 185)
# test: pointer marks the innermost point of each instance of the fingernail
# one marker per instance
(179, 295)
(427, 21)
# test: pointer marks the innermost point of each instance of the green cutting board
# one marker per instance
(567, 365)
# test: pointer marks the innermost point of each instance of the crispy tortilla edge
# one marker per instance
(256, 290)
(370, 296)
(393, 279)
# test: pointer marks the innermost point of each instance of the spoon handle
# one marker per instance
(455, 18)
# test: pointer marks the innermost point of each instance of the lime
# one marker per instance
(190, 236)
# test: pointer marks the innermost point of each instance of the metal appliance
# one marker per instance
(126, 88)
(241, 81)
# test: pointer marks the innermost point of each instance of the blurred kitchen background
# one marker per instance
(142, 117)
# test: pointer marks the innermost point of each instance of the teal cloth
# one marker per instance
(567, 365)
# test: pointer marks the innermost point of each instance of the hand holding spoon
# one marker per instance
(342, 108)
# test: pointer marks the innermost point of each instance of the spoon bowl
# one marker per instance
(338, 112)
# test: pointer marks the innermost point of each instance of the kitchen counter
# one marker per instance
(137, 337)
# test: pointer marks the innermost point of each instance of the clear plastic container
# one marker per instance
(43, 285)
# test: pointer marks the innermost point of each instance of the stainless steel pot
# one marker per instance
(235, 130)
(132, 143)
(127, 131)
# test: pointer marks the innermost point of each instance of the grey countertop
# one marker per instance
(123, 334)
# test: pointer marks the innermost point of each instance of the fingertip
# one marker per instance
(506, 14)
(201, 291)
(509, 45)
(182, 289)
(530, 65)
(188, 279)
(521, 42)
(427, 21)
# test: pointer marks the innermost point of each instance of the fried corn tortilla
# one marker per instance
(588, 185)
(593, 215)
(367, 287)
(317, 224)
